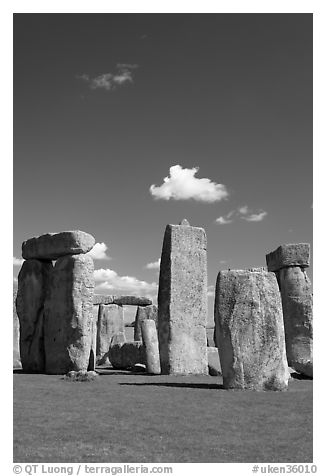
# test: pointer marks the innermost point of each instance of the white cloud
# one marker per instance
(17, 261)
(154, 265)
(223, 221)
(183, 185)
(244, 213)
(110, 81)
(99, 251)
(255, 216)
(109, 281)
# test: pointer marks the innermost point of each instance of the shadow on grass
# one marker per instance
(206, 386)
(297, 376)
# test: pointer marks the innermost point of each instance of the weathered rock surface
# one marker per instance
(126, 355)
(214, 365)
(143, 313)
(109, 323)
(69, 327)
(289, 255)
(296, 295)
(16, 353)
(32, 284)
(250, 331)
(150, 341)
(131, 301)
(54, 245)
(102, 299)
(182, 301)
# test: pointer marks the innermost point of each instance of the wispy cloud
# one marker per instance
(183, 185)
(110, 81)
(109, 281)
(255, 216)
(99, 251)
(17, 261)
(155, 265)
(243, 212)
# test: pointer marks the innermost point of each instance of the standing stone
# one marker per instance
(150, 340)
(289, 262)
(109, 323)
(297, 312)
(182, 301)
(249, 331)
(16, 354)
(69, 315)
(32, 285)
(54, 245)
(143, 313)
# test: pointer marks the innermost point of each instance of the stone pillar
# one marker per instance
(69, 315)
(182, 300)
(150, 340)
(143, 313)
(249, 330)
(109, 323)
(32, 285)
(16, 353)
(289, 263)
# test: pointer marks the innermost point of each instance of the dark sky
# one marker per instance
(230, 94)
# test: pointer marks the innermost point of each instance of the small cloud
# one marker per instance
(223, 221)
(99, 251)
(154, 265)
(255, 216)
(223, 261)
(110, 81)
(183, 185)
(109, 281)
(244, 213)
(243, 210)
(17, 261)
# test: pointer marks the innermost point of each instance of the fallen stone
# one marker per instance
(250, 331)
(69, 315)
(126, 355)
(33, 281)
(102, 299)
(150, 340)
(214, 366)
(109, 323)
(143, 313)
(182, 301)
(131, 301)
(289, 255)
(81, 376)
(54, 245)
(297, 305)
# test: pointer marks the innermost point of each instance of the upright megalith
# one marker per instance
(142, 314)
(150, 341)
(289, 262)
(69, 315)
(52, 246)
(15, 334)
(182, 300)
(33, 281)
(249, 330)
(109, 323)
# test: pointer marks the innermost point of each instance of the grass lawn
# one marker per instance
(122, 417)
